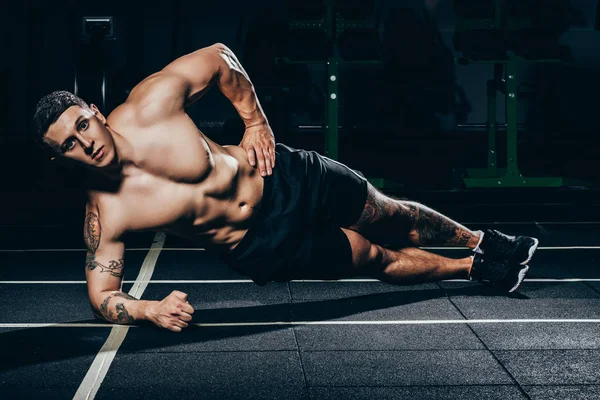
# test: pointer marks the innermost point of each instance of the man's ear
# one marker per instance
(97, 113)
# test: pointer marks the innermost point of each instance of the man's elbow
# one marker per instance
(220, 47)
(97, 313)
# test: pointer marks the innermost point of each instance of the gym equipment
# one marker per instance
(493, 32)
(326, 30)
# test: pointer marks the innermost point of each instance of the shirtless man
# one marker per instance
(271, 212)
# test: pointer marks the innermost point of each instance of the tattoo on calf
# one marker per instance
(92, 231)
(463, 238)
(115, 267)
(433, 228)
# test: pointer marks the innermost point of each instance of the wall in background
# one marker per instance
(43, 42)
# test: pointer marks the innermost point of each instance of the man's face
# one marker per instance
(82, 136)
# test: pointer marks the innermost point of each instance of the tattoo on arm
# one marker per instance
(92, 231)
(122, 315)
(115, 267)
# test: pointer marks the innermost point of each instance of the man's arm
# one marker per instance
(218, 64)
(104, 275)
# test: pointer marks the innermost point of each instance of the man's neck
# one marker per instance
(123, 156)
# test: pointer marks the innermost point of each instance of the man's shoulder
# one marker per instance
(158, 96)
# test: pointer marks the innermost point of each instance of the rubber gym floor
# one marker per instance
(349, 339)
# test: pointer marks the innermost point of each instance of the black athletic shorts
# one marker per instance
(296, 232)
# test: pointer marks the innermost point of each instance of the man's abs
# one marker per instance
(224, 209)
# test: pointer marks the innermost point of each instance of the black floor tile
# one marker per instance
(386, 337)
(496, 392)
(230, 302)
(46, 303)
(571, 392)
(402, 368)
(225, 375)
(390, 307)
(539, 336)
(25, 392)
(192, 265)
(210, 339)
(58, 265)
(47, 358)
(595, 286)
(552, 367)
(345, 290)
(513, 308)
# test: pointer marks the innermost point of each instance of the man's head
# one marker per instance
(70, 129)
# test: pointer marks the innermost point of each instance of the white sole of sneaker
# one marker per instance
(532, 250)
(522, 274)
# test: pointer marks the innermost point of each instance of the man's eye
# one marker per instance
(69, 144)
(83, 125)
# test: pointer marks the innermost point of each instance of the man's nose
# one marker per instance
(88, 145)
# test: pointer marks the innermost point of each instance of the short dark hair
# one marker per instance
(48, 110)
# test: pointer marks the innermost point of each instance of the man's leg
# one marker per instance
(384, 216)
(405, 266)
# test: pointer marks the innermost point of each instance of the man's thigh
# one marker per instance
(323, 252)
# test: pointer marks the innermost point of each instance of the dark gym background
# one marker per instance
(417, 119)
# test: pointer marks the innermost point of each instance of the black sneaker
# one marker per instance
(517, 249)
(503, 274)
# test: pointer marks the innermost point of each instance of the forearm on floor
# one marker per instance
(120, 308)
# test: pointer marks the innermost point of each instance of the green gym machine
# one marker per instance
(333, 25)
(505, 68)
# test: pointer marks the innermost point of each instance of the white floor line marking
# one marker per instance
(300, 323)
(534, 222)
(198, 249)
(467, 223)
(82, 249)
(406, 322)
(229, 281)
(57, 325)
(539, 248)
(95, 375)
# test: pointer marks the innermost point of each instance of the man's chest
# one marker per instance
(147, 202)
(179, 156)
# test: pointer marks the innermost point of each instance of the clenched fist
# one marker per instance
(173, 312)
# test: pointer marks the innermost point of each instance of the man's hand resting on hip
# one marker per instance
(259, 143)
(172, 313)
